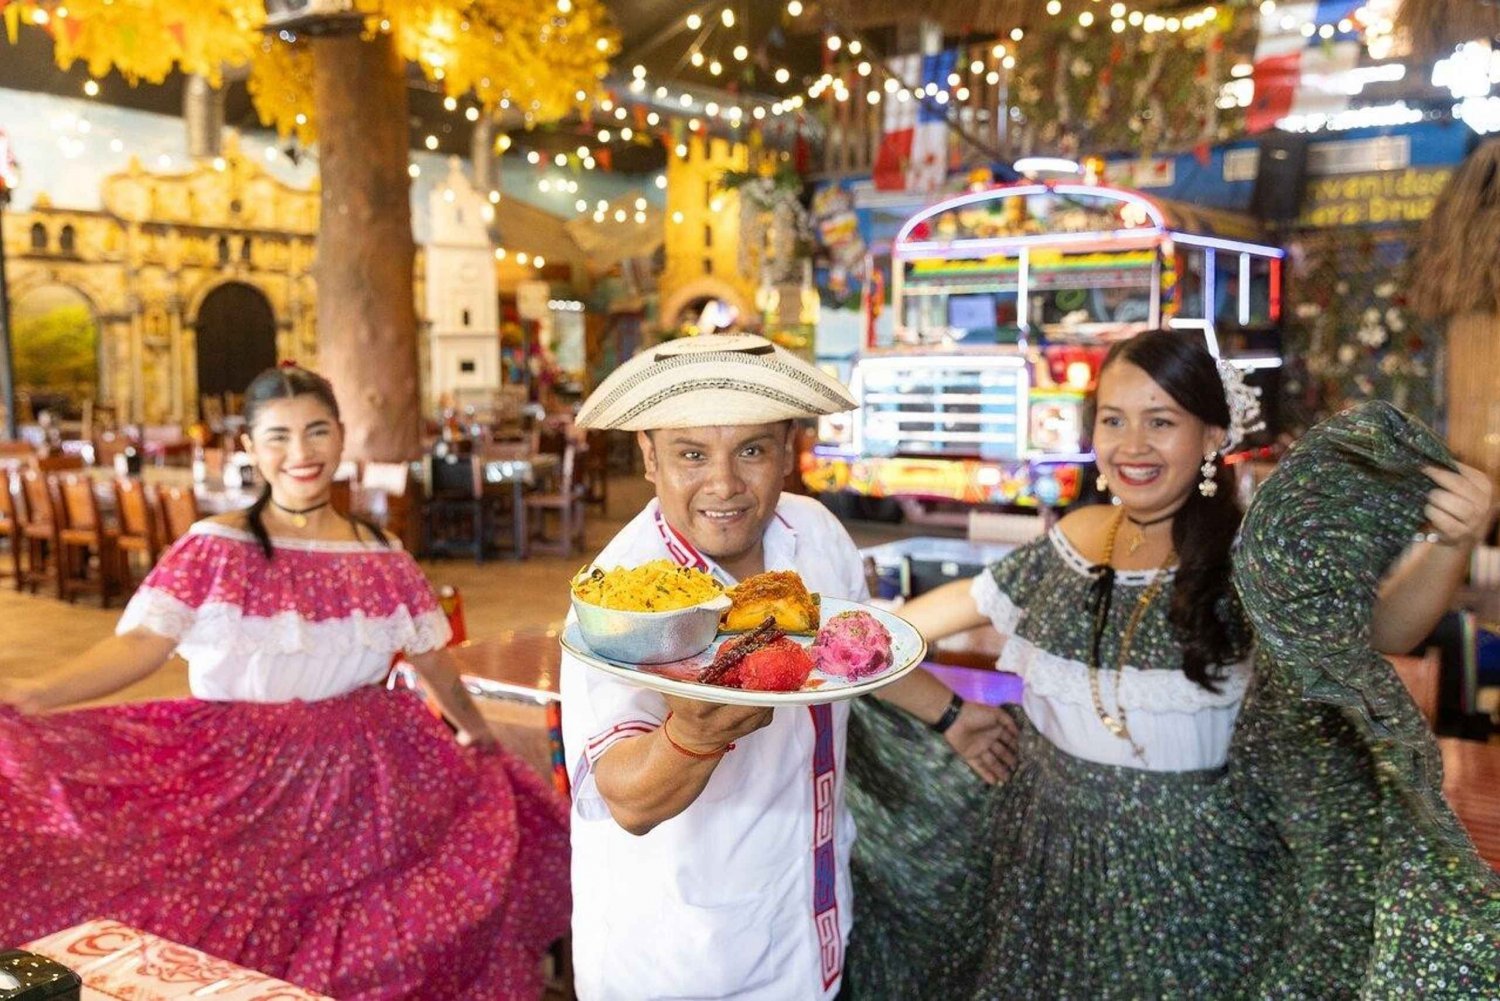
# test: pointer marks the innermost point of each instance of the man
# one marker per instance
(710, 842)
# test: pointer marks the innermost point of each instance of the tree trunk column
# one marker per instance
(367, 323)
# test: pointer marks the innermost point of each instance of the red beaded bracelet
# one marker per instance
(699, 755)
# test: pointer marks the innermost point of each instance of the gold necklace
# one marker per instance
(1118, 725)
(1140, 527)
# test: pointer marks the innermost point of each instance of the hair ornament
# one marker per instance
(1244, 404)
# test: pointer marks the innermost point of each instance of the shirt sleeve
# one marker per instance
(167, 602)
(599, 711)
(429, 628)
(1003, 589)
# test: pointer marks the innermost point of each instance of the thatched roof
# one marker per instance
(1456, 266)
(1436, 26)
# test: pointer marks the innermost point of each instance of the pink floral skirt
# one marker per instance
(349, 845)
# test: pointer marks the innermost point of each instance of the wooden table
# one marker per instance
(1471, 781)
(514, 676)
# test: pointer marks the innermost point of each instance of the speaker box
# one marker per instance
(1281, 177)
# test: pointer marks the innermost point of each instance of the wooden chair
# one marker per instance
(10, 525)
(179, 509)
(566, 502)
(457, 515)
(57, 462)
(341, 496)
(85, 541)
(39, 524)
(136, 508)
(595, 472)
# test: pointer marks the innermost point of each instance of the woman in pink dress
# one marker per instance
(293, 816)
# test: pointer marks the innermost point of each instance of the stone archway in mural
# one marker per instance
(685, 305)
(55, 342)
(236, 331)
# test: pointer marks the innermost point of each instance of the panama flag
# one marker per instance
(1301, 74)
(913, 154)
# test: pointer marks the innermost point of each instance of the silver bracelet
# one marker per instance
(1428, 537)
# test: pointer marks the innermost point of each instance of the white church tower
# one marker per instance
(462, 298)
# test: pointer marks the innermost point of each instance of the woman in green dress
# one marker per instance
(1120, 860)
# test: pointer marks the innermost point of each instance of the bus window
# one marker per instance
(1190, 283)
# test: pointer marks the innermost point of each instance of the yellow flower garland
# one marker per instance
(525, 54)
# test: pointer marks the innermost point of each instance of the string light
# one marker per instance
(91, 88)
(694, 22)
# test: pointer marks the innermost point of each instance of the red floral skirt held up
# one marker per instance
(347, 845)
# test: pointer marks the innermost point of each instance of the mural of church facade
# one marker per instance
(192, 279)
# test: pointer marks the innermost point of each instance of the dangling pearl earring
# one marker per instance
(1101, 483)
(1209, 486)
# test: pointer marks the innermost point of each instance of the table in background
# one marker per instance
(520, 471)
(514, 675)
(1471, 781)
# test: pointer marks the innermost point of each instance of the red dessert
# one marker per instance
(780, 666)
(852, 645)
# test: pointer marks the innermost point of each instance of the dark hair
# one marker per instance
(284, 383)
(1203, 599)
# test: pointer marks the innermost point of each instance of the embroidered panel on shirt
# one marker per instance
(679, 548)
(825, 865)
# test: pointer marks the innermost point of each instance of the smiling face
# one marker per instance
(1147, 444)
(718, 486)
(296, 444)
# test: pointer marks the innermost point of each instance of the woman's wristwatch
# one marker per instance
(955, 706)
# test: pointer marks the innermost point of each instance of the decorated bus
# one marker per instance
(1004, 303)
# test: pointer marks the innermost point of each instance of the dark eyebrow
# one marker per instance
(312, 425)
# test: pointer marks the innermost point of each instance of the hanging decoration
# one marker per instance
(545, 59)
(775, 237)
(1353, 335)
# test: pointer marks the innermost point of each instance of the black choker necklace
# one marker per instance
(1154, 521)
(299, 516)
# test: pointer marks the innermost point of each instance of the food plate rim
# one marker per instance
(572, 642)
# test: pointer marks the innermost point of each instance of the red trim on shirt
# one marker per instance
(600, 743)
(679, 548)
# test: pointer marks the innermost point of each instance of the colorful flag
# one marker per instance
(1301, 74)
(913, 154)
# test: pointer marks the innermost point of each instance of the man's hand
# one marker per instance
(706, 727)
(985, 737)
(1461, 506)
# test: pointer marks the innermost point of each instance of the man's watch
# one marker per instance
(955, 706)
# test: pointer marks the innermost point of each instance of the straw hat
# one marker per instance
(712, 380)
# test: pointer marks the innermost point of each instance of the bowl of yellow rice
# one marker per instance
(655, 613)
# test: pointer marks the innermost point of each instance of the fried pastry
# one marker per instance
(776, 594)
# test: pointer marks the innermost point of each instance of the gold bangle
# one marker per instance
(696, 755)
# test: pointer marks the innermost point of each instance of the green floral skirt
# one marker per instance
(1111, 882)
(1070, 881)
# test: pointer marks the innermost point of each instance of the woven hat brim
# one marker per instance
(704, 389)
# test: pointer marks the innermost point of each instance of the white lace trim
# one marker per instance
(224, 626)
(224, 531)
(995, 604)
(1160, 690)
(1073, 558)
